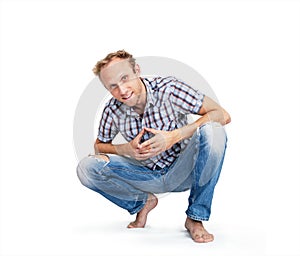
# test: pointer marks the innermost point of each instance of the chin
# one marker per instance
(131, 103)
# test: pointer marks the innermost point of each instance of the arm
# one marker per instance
(131, 149)
(107, 132)
(163, 140)
(209, 111)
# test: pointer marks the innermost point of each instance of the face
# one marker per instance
(123, 83)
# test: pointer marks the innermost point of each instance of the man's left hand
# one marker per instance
(160, 142)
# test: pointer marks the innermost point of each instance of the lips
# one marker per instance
(127, 97)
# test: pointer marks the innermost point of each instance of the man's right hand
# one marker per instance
(131, 149)
(134, 149)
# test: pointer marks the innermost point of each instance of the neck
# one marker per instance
(141, 104)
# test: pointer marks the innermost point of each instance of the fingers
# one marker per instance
(146, 152)
(145, 155)
(154, 131)
(150, 147)
(154, 143)
(150, 151)
(147, 144)
(137, 139)
(141, 133)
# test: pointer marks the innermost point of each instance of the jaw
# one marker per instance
(130, 100)
(136, 98)
(135, 102)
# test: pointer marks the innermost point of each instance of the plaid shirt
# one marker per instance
(169, 101)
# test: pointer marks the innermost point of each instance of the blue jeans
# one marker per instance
(127, 183)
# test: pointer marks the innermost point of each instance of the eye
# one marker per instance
(124, 78)
(113, 86)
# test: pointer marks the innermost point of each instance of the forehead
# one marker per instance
(115, 68)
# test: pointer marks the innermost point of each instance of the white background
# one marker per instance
(248, 51)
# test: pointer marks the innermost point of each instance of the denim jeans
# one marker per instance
(127, 183)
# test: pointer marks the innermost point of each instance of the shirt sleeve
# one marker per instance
(186, 99)
(107, 130)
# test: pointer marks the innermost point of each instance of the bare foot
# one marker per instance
(197, 231)
(141, 217)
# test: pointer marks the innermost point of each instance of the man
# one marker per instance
(163, 153)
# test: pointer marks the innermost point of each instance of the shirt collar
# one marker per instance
(150, 96)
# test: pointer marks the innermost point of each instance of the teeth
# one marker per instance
(125, 98)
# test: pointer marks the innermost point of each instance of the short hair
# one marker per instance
(122, 54)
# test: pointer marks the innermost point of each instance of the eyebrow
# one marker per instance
(120, 77)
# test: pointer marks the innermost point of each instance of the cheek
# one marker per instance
(115, 94)
(137, 88)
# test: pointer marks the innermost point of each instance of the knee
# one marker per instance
(91, 168)
(213, 142)
(83, 169)
(214, 134)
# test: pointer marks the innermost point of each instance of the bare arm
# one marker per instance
(163, 140)
(209, 111)
(131, 149)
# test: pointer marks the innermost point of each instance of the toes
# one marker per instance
(208, 238)
(198, 239)
(202, 238)
(130, 225)
(135, 224)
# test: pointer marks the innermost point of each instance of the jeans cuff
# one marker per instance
(197, 218)
(140, 207)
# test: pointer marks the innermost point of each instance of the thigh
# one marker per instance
(203, 157)
(179, 176)
(134, 173)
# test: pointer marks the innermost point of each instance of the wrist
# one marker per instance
(177, 135)
(121, 149)
(187, 131)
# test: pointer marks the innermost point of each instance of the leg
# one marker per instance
(141, 217)
(211, 151)
(121, 181)
(199, 172)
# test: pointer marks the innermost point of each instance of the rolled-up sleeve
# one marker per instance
(186, 99)
(107, 129)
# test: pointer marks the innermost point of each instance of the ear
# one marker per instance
(101, 81)
(137, 69)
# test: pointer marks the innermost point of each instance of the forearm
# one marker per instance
(109, 148)
(220, 116)
(185, 132)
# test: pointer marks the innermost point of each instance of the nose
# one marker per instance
(122, 89)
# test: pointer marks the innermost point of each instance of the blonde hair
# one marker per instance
(122, 54)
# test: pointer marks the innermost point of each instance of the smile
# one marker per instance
(127, 97)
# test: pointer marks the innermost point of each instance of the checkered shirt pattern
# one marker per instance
(169, 101)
